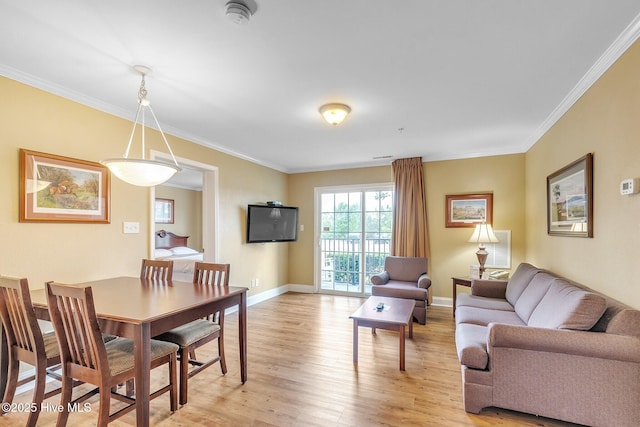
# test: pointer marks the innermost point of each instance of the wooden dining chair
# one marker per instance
(156, 269)
(26, 343)
(85, 356)
(199, 332)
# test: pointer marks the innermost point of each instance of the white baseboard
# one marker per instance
(441, 301)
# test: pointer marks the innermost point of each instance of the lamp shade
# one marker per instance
(483, 234)
(141, 172)
(334, 114)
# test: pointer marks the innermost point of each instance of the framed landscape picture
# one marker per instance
(467, 210)
(61, 189)
(570, 199)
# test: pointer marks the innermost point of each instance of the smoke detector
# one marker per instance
(238, 12)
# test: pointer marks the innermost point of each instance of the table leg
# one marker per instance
(242, 322)
(4, 360)
(142, 355)
(411, 328)
(401, 333)
(455, 290)
(355, 341)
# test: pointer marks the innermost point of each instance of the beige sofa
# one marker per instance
(544, 345)
(404, 277)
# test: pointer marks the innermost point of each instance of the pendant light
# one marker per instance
(142, 172)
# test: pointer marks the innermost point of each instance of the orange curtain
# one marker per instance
(409, 236)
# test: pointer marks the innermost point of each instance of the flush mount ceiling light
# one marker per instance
(142, 172)
(238, 12)
(334, 114)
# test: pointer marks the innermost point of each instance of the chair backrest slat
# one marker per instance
(18, 316)
(156, 269)
(210, 274)
(206, 273)
(75, 322)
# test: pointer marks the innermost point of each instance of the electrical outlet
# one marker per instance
(257, 282)
(131, 227)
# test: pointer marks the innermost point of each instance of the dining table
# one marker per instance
(140, 309)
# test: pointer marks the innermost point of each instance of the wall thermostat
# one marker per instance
(629, 186)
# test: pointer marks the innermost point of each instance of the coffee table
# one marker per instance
(396, 316)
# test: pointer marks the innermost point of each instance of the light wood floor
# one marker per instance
(301, 374)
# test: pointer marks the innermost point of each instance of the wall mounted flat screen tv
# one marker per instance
(272, 224)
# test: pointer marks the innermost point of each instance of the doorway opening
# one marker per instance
(200, 177)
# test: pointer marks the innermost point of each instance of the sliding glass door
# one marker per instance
(353, 227)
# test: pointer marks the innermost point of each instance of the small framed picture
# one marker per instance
(570, 199)
(61, 189)
(467, 210)
(163, 211)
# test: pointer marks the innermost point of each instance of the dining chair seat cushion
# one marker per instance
(108, 337)
(51, 348)
(186, 335)
(120, 353)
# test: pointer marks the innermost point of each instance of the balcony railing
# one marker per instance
(342, 264)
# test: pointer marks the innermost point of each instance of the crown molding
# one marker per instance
(608, 58)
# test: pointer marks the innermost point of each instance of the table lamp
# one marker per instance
(481, 235)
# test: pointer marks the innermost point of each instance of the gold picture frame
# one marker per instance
(467, 210)
(62, 189)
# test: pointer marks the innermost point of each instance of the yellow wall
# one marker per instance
(187, 205)
(71, 253)
(301, 194)
(450, 252)
(605, 122)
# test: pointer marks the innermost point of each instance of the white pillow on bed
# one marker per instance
(162, 253)
(183, 250)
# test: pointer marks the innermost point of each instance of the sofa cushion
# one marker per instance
(483, 302)
(626, 322)
(405, 269)
(484, 316)
(396, 289)
(519, 281)
(567, 307)
(532, 295)
(471, 344)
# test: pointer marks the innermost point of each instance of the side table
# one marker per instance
(462, 281)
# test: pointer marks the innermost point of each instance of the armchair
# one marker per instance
(404, 277)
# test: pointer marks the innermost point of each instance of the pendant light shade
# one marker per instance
(142, 172)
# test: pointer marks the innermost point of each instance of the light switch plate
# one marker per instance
(131, 227)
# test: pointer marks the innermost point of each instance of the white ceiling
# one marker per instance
(440, 79)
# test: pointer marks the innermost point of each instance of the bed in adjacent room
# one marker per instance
(170, 246)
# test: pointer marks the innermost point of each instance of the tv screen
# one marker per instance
(272, 224)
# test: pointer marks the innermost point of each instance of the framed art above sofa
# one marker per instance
(570, 199)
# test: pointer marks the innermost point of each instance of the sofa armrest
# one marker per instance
(580, 343)
(380, 279)
(424, 281)
(489, 288)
